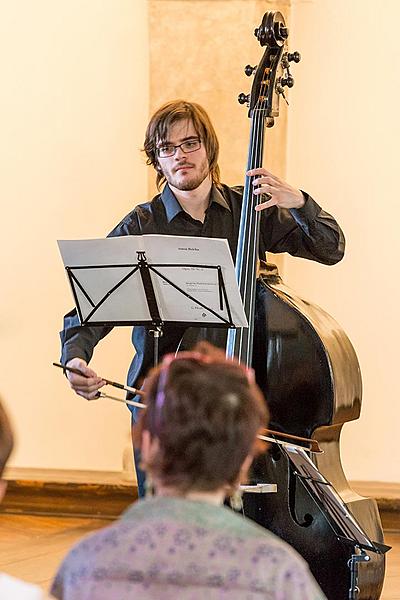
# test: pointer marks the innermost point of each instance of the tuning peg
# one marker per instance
(294, 57)
(287, 81)
(283, 31)
(243, 98)
(249, 70)
(279, 90)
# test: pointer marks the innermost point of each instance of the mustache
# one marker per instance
(182, 165)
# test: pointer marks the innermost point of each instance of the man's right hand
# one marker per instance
(86, 385)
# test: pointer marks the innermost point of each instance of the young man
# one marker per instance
(182, 146)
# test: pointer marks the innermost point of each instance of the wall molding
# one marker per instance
(99, 494)
(106, 494)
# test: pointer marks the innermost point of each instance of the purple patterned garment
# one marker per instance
(172, 548)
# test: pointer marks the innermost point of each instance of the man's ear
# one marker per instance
(3, 487)
(149, 446)
(246, 466)
(145, 445)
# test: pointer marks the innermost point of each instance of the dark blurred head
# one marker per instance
(169, 114)
(6, 439)
(205, 413)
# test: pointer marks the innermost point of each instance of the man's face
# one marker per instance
(184, 171)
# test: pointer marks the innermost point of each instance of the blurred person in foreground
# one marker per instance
(10, 587)
(198, 437)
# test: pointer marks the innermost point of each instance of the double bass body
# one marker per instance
(310, 376)
(307, 369)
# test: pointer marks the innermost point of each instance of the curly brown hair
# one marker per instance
(164, 118)
(205, 413)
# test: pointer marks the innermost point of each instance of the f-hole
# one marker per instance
(307, 519)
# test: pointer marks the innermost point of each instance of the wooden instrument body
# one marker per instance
(304, 364)
(309, 373)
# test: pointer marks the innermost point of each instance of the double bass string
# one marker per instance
(240, 342)
(255, 160)
(246, 259)
(252, 226)
(255, 230)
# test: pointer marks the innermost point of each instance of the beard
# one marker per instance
(191, 180)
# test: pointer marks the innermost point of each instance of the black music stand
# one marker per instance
(87, 306)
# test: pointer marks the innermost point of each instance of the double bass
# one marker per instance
(309, 373)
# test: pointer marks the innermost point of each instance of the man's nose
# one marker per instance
(179, 153)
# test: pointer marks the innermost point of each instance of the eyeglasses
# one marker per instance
(167, 150)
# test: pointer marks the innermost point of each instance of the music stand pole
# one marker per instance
(151, 298)
(156, 333)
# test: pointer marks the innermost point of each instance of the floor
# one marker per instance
(391, 588)
(32, 547)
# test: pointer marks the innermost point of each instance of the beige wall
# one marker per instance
(201, 57)
(72, 107)
(344, 128)
(74, 104)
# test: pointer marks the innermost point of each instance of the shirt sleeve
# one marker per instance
(78, 341)
(307, 232)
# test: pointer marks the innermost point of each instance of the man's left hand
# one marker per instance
(281, 193)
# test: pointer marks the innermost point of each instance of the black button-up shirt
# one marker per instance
(308, 232)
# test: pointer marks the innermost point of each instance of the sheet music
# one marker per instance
(99, 266)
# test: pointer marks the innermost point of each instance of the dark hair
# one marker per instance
(6, 438)
(205, 413)
(158, 129)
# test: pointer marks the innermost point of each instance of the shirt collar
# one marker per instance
(172, 206)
